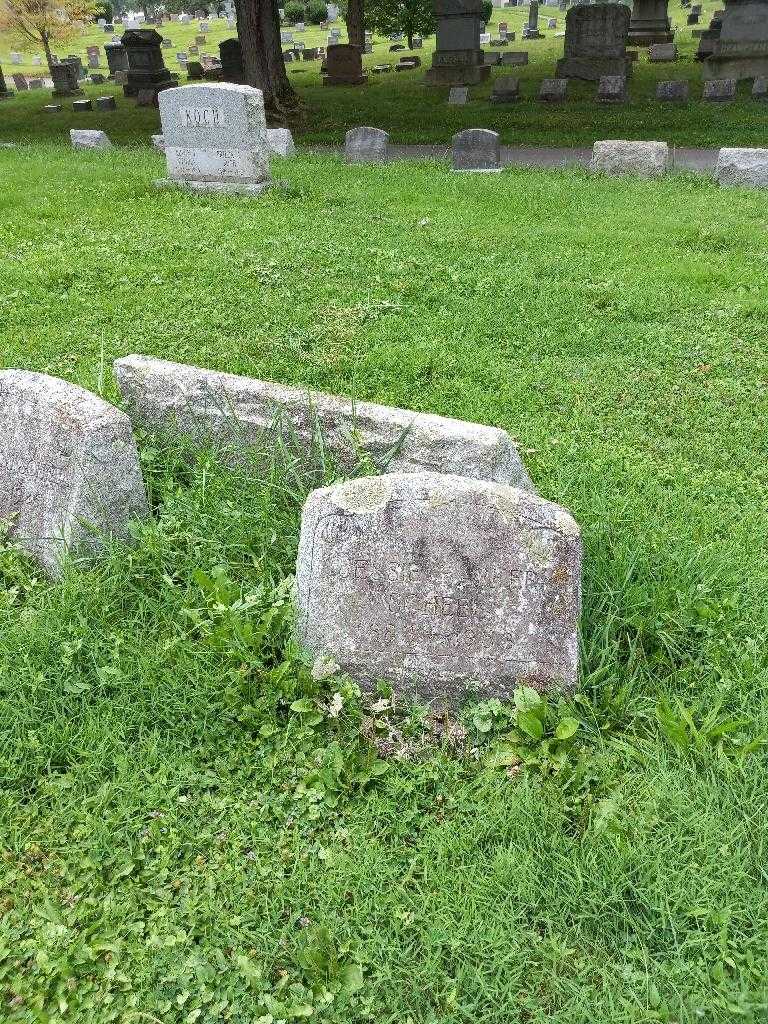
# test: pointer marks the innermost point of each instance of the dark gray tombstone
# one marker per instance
(673, 92)
(741, 49)
(106, 103)
(231, 57)
(596, 42)
(366, 146)
(65, 83)
(458, 57)
(117, 58)
(506, 89)
(553, 90)
(612, 89)
(649, 23)
(719, 90)
(79, 106)
(476, 149)
(146, 70)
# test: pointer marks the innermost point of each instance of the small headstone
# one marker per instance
(366, 146)
(514, 58)
(35, 83)
(81, 105)
(458, 96)
(552, 23)
(53, 108)
(692, 19)
(280, 141)
(84, 138)
(553, 90)
(485, 38)
(440, 585)
(344, 65)
(662, 53)
(618, 157)
(194, 71)
(69, 469)
(215, 138)
(612, 89)
(491, 58)
(673, 92)
(105, 103)
(506, 89)
(476, 149)
(16, 58)
(720, 90)
(239, 413)
(20, 82)
(760, 88)
(747, 168)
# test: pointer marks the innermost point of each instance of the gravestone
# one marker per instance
(531, 29)
(65, 81)
(458, 96)
(616, 157)
(106, 103)
(344, 65)
(506, 89)
(241, 414)
(194, 71)
(673, 92)
(86, 138)
(692, 19)
(16, 58)
(551, 23)
(747, 168)
(117, 58)
(79, 106)
(280, 142)
(741, 49)
(20, 82)
(649, 23)
(491, 58)
(440, 585)
(595, 42)
(662, 53)
(476, 149)
(719, 90)
(514, 59)
(5, 92)
(553, 90)
(35, 83)
(458, 57)
(231, 56)
(366, 146)
(158, 142)
(98, 79)
(760, 89)
(708, 38)
(215, 138)
(69, 469)
(53, 108)
(612, 89)
(146, 70)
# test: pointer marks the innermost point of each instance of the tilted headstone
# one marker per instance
(441, 586)
(366, 146)
(476, 149)
(69, 469)
(618, 157)
(215, 138)
(506, 89)
(239, 413)
(747, 168)
(20, 81)
(673, 92)
(595, 42)
(612, 89)
(720, 90)
(553, 90)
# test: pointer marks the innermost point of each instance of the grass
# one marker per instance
(187, 833)
(402, 105)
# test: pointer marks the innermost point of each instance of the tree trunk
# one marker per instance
(258, 28)
(355, 19)
(47, 47)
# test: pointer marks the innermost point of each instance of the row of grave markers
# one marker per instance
(444, 573)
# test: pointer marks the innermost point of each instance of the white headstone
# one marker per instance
(617, 157)
(237, 411)
(88, 138)
(280, 141)
(69, 469)
(747, 168)
(440, 585)
(215, 138)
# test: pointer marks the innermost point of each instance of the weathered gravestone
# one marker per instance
(531, 29)
(65, 81)
(117, 59)
(80, 106)
(673, 92)
(20, 81)
(719, 90)
(88, 138)
(458, 95)
(649, 23)
(440, 585)
(514, 58)
(106, 103)
(458, 57)
(231, 56)
(344, 65)
(760, 89)
(662, 53)
(476, 149)
(595, 42)
(612, 89)
(146, 70)
(69, 469)
(366, 146)
(240, 413)
(215, 138)
(280, 142)
(617, 157)
(747, 168)
(741, 48)
(506, 89)
(553, 90)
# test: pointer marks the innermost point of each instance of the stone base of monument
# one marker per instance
(225, 188)
(592, 69)
(649, 36)
(460, 74)
(721, 66)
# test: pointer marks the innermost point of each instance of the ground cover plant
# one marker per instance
(412, 113)
(193, 827)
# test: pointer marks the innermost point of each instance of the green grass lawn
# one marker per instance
(412, 113)
(186, 834)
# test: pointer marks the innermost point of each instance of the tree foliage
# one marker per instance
(411, 17)
(43, 22)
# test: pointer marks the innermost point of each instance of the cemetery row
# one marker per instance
(597, 38)
(446, 571)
